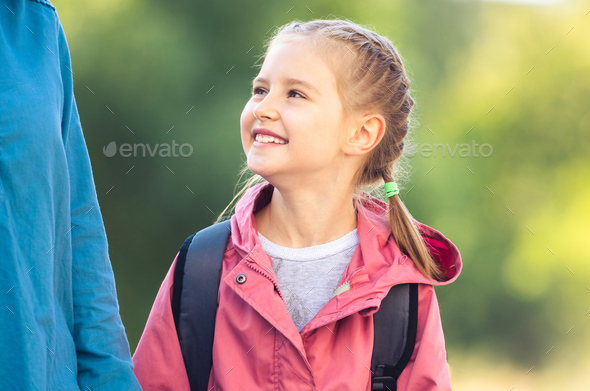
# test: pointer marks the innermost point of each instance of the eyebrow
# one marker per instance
(291, 81)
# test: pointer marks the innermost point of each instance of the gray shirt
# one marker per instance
(308, 276)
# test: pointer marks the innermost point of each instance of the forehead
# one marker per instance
(298, 60)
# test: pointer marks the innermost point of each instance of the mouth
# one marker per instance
(261, 139)
(264, 136)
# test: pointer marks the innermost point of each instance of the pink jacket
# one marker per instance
(258, 347)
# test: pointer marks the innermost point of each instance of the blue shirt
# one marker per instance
(60, 327)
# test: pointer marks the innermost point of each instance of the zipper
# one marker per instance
(345, 285)
(342, 288)
(254, 266)
(267, 275)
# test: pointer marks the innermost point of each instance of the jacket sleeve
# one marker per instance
(158, 359)
(102, 350)
(427, 369)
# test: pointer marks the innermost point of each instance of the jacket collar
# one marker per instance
(377, 263)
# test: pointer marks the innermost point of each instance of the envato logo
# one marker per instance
(163, 150)
(464, 150)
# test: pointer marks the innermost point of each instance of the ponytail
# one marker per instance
(409, 240)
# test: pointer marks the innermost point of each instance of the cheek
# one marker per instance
(317, 133)
(246, 124)
(246, 120)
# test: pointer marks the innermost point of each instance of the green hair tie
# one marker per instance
(391, 189)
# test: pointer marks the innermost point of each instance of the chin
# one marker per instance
(260, 167)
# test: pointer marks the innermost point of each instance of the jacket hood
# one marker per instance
(377, 262)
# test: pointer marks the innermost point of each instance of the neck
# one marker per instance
(300, 217)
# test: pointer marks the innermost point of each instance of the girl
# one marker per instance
(303, 271)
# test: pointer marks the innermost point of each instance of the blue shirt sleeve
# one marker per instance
(59, 318)
(103, 356)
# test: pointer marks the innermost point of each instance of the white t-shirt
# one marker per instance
(308, 276)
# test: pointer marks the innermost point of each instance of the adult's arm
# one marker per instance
(103, 357)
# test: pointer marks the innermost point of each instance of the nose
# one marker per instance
(266, 109)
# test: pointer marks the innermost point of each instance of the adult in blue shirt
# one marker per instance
(60, 327)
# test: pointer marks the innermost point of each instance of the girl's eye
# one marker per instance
(257, 90)
(293, 91)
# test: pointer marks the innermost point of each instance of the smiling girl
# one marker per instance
(312, 253)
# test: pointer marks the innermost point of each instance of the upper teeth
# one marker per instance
(268, 139)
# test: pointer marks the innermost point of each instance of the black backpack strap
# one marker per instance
(395, 326)
(194, 299)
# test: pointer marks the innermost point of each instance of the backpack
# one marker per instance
(194, 306)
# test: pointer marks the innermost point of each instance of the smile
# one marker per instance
(267, 140)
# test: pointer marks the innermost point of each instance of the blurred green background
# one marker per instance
(512, 75)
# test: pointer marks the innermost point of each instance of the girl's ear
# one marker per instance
(364, 135)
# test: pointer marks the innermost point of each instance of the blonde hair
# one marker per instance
(370, 76)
